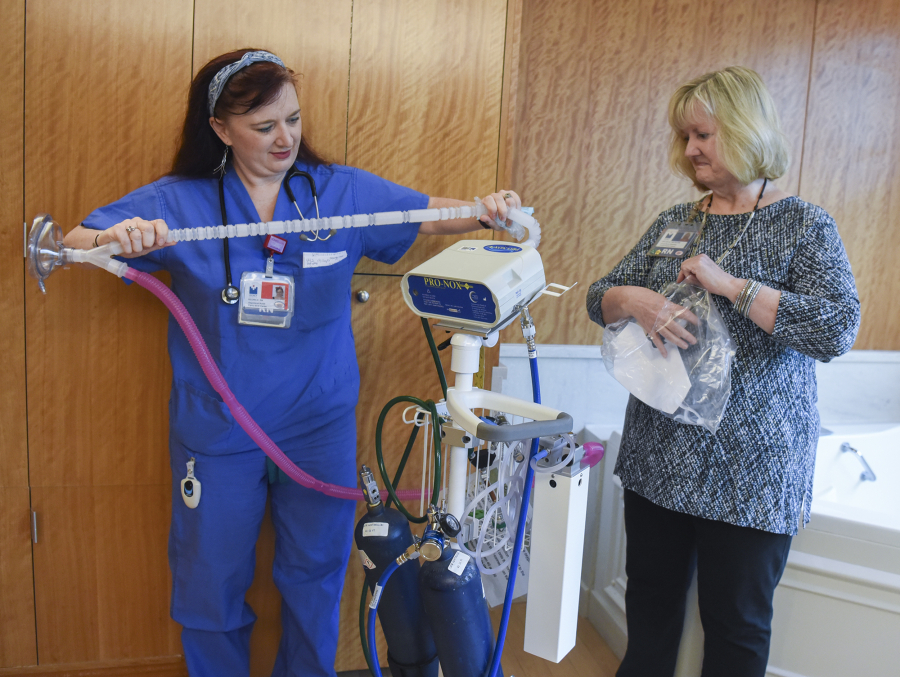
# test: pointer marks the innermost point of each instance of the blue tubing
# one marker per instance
(373, 650)
(535, 380)
(520, 533)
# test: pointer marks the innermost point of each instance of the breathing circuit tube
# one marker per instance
(211, 370)
(518, 221)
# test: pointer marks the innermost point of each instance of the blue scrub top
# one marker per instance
(292, 381)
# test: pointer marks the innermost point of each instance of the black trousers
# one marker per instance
(737, 571)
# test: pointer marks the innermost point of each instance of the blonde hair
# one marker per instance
(749, 139)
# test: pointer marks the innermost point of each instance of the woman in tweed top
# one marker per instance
(727, 503)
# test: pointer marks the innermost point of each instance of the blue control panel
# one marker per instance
(452, 299)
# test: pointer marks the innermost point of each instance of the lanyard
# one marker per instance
(230, 293)
(740, 235)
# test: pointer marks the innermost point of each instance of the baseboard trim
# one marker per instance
(778, 672)
(609, 620)
(165, 666)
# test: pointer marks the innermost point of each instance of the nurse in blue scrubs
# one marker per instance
(242, 159)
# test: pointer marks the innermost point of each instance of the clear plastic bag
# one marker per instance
(690, 385)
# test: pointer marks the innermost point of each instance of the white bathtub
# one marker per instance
(846, 505)
(837, 608)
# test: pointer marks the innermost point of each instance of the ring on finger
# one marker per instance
(130, 229)
(507, 195)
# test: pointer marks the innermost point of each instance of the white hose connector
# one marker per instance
(529, 223)
(521, 220)
(99, 256)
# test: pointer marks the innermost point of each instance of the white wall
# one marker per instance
(862, 386)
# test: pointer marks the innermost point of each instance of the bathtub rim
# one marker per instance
(849, 521)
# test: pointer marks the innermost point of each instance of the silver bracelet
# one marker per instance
(739, 300)
(746, 297)
(752, 297)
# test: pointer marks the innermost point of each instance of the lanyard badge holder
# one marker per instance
(267, 299)
(675, 241)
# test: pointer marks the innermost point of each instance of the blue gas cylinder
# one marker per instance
(458, 614)
(382, 534)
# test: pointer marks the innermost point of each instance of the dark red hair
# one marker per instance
(259, 84)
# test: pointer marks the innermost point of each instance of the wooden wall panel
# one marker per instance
(590, 152)
(165, 666)
(101, 574)
(312, 38)
(510, 93)
(17, 641)
(13, 460)
(105, 89)
(17, 636)
(852, 149)
(425, 96)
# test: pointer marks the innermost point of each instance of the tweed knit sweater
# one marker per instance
(757, 470)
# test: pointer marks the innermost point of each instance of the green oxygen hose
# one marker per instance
(430, 407)
(434, 354)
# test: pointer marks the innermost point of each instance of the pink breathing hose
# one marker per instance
(181, 315)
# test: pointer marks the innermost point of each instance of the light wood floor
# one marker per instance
(590, 657)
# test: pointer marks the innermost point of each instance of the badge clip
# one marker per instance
(275, 244)
(190, 487)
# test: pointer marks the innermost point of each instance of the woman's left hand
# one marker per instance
(702, 271)
(498, 205)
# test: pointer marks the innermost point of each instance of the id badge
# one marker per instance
(675, 241)
(266, 300)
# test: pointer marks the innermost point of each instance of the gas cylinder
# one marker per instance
(383, 534)
(458, 614)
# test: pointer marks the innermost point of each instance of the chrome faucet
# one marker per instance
(867, 475)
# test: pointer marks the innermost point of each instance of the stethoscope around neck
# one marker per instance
(231, 294)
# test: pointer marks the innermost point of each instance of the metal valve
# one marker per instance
(450, 525)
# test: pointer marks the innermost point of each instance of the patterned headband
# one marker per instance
(218, 82)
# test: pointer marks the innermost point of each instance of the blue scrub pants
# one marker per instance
(212, 554)
(738, 569)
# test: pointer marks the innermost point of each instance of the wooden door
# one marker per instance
(104, 91)
(17, 642)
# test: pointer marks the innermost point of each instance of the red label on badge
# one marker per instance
(275, 244)
(275, 291)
